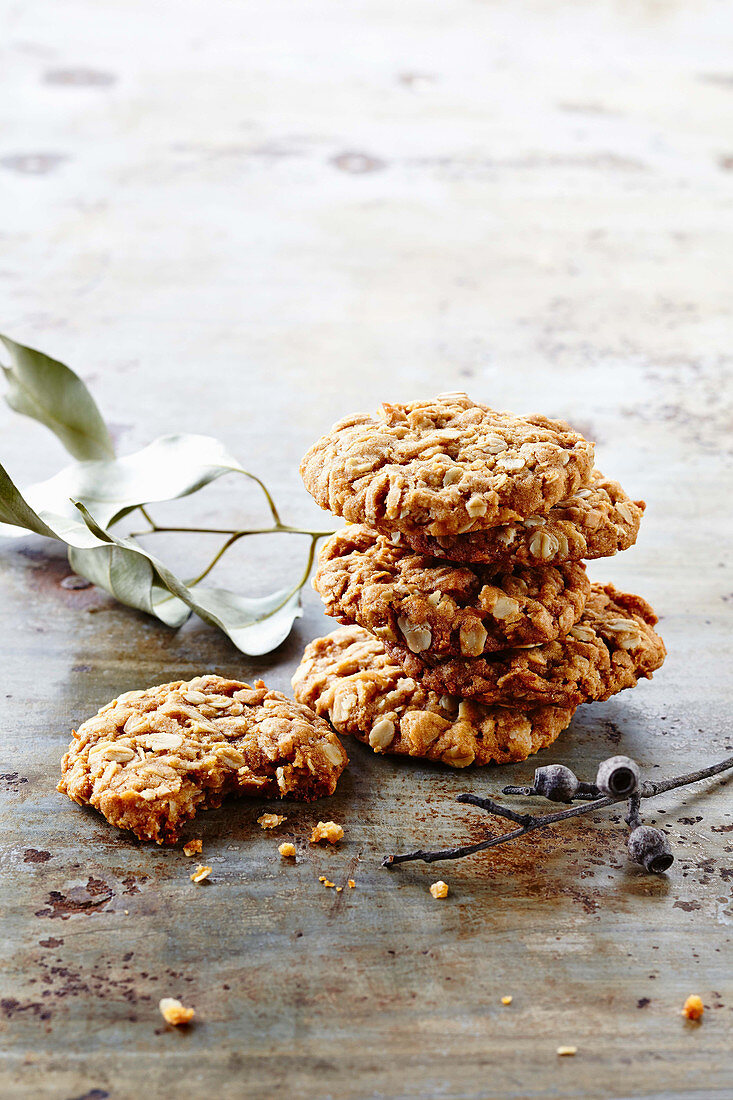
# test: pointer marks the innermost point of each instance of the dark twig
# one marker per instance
(493, 807)
(586, 792)
(633, 816)
(649, 789)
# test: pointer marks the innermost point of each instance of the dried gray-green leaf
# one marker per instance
(170, 467)
(18, 517)
(50, 392)
(256, 625)
(128, 574)
(125, 571)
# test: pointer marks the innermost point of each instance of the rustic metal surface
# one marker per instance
(248, 220)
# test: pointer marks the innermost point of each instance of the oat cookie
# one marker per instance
(438, 609)
(349, 678)
(611, 647)
(149, 760)
(447, 466)
(596, 522)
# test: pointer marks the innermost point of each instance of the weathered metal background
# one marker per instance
(248, 220)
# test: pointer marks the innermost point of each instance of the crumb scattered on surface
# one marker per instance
(327, 830)
(351, 884)
(693, 1007)
(439, 889)
(270, 821)
(506, 1000)
(173, 1012)
(200, 873)
(326, 882)
(339, 889)
(567, 1052)
(287, 849)
(193, 848)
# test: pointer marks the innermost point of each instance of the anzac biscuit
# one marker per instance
(596, 522)
(611, 647)
(348, 678)
(149, 760)
(447, 466)
(438, 609)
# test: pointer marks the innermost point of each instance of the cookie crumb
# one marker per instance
(270, 821)
(693, 1007)
(327, 830)
(439, 889)
(326, 883)
(339, 889)
(173, 1012)
(193, 848)
(287, 850)
(506, 1000)
(200, 873)
(351, 884)
(567, 1052)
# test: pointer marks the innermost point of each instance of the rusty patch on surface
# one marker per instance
(88, 899)
(79, 78)
(33, 855)
(50, 942)
(688, 906)
(130, 882)
(74, 581)
(33, 164)
(11, 1008)
(12, 781)
(357, 164)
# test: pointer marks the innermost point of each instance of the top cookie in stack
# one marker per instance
(464, 562)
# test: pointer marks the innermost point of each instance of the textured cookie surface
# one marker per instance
(150, 759)
(596, 522)
(611, 647)
(448, 465)
(438, 609)
(350, 679)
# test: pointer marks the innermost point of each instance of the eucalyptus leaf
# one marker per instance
(126, 572)
(50, 392)
(18, 517)
(130, 576)
(171, 467)
(256, 624)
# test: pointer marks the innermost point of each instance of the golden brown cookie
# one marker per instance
(596, 522)
(440, 610)
(447, 466)
(348, 678)
(149, 760)
(611, 647)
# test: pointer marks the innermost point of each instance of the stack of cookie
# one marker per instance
(473, 632)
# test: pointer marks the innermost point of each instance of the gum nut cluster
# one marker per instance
(470, 631)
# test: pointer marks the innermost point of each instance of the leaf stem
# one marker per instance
(271, 503)
(649, 789)
(278, 529)
(149, 518)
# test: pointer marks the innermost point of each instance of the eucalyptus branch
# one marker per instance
(81, 505)
(530, 823)
(278, 529)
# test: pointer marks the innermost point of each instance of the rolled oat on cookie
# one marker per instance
(445, 466)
